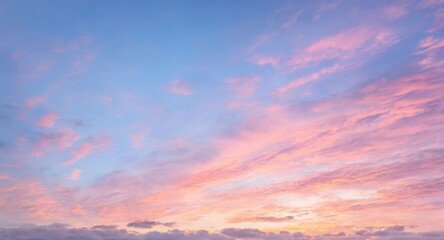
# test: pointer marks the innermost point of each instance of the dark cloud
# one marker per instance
(183, 235)
(396, 228)
(111, 232)
(273, 219)
(393, 231)
(56, 232)
(169, 224)
(143, 224)
(251, 233)
(149, 224)
(340, 234)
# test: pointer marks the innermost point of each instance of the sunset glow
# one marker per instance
(262, 119)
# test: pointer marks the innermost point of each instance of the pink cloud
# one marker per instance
(75, 174)
(395, 11)
(348, 141)
(431, 48)
(243, 86)
(356, 42)
(29, 200)
(80, 152)
(430, 3)
(4, 177)
(53, 141)
(89, 147)
(307, 162)
(306, 79)
(48, 120)
(260, 40)
(370, 175)
(265, 60)
(360, 128)
(425, 188)
(66, 139)
(430, 44)
(36, 101)
(180, 87)
(78, 209)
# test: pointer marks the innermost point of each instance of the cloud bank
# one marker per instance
(103, 232)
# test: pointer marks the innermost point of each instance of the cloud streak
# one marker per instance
(88, 147)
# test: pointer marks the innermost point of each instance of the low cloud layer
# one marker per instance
(102, 232)
(149, 224)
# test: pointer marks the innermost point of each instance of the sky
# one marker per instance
(221, 119)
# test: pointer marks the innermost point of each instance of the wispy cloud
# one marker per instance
(310, 78)
(265, 60)
(47, 142)
(73, 45)
(88, 147)
(180, 87)
(396, 11)
(243, 86)
(352, 43)
(36, 101)
(325, 7)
